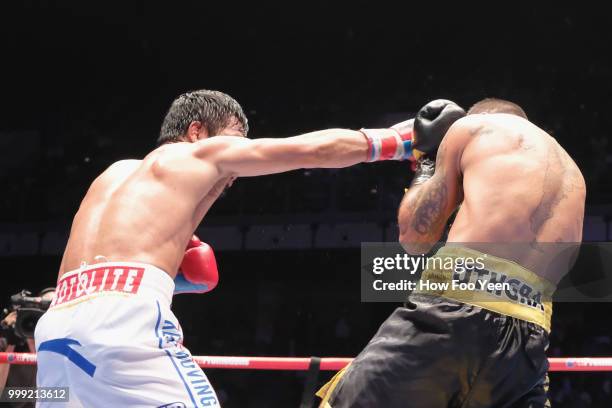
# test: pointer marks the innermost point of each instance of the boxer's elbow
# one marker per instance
(404, 236)
(413, 242)
(414, 245)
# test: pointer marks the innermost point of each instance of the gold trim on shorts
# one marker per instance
(530, 297)
(326, 390)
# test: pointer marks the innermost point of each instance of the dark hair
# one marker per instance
(214, 109)
(494, 105)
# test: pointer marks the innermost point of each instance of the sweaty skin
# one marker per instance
(515, 185)
(147, 210)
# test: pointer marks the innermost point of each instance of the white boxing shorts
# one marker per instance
(111, 338)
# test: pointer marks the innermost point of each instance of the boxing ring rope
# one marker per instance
(584, 364)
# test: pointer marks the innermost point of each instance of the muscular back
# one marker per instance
(521, 187)
(517, 189)
(144, 210)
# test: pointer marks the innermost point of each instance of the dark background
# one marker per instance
(84, 84)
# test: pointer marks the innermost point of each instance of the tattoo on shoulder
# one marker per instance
(481, 130)
(430, 205)
(476, 130)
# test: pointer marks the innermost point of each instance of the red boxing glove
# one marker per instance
(394, 143)
(198, 271)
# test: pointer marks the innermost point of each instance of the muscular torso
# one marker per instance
(146, 211)
(143, 210)
(519, 187)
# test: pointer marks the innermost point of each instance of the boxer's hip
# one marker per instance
(111, 337)
(124, 279)
(480, 347)
(110, 307)
(492, 283)
(440, 352)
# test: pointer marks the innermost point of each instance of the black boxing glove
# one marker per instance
(431, 124)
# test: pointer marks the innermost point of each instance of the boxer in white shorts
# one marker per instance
(110, 333)
(119, 344)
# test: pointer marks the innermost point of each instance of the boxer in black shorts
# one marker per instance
(517, 188)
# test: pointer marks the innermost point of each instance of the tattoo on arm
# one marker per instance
(430, 205)
(424, 211)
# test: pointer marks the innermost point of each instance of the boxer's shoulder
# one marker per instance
(500, 124)
(497, 133)
(211, 147)
(469, 126)
(122, 166)
(117, 171)
(206, 149)
(458, 138)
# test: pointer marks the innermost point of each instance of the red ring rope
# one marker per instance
(327, 363)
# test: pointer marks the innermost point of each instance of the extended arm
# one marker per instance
(332, 148)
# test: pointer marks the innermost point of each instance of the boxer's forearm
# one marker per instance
(331, 148)
(422, 216)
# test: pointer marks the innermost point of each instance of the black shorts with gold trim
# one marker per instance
(439, 352)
